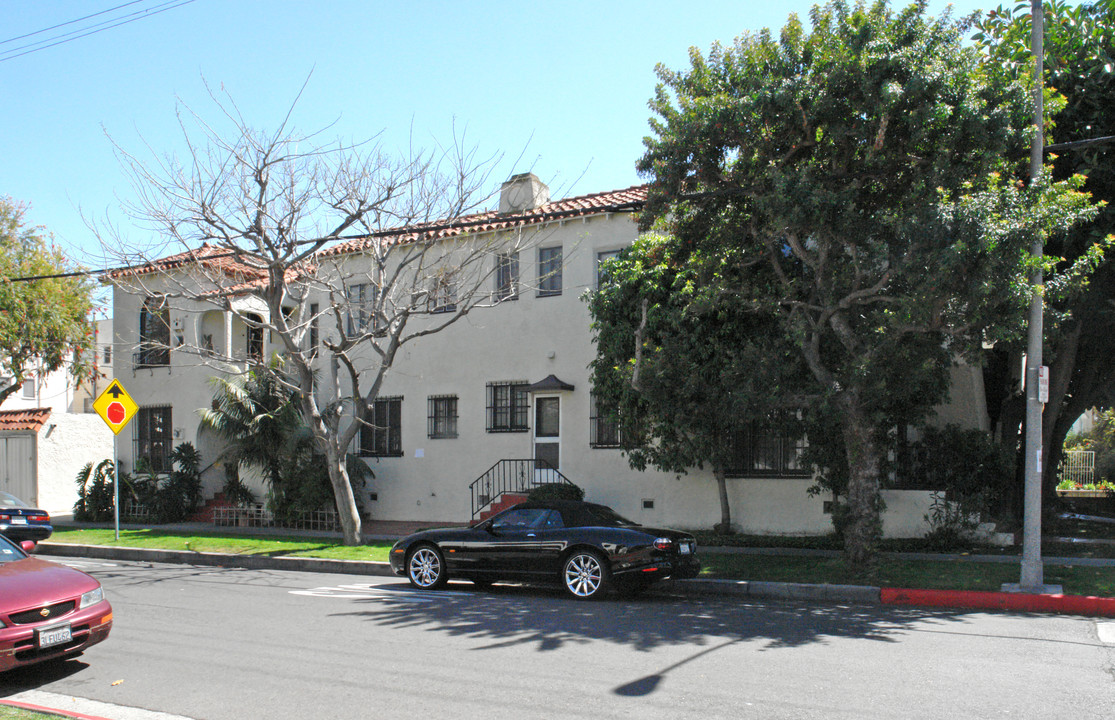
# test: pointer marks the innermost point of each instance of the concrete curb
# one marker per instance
(247, 562)
(50, 711)
(854, 594)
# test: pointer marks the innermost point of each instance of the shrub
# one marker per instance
(556, 491)
(94, 493)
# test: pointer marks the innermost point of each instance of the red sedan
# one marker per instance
(47, 611)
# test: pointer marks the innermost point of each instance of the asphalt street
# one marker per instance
(213, 643)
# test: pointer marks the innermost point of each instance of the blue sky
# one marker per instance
(561, 88)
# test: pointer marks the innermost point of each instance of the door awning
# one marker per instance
(550, 384)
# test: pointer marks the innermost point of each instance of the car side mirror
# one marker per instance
(28, 546)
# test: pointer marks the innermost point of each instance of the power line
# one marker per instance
(89, 29)
(68, 22)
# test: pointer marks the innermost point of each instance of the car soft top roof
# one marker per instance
(577, 513)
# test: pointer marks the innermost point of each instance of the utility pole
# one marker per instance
(1032, 579)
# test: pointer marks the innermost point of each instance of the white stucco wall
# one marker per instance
(65, 444)
(521, 340)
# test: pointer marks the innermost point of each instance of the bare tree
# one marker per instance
(342, 253)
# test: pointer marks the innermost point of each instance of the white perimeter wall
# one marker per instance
(66, 443)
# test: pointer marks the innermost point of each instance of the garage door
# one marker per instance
(17, 467)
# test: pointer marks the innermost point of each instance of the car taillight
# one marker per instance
(5, 518)
(663, 544)
(40, 518)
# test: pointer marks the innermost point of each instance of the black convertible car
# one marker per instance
(585, 547)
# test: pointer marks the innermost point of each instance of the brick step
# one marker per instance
(505, 501)
(205, 514)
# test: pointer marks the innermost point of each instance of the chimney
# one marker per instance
(522, 193)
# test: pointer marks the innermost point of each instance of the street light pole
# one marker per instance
(1032, 579)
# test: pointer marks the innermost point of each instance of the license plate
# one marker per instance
(49, 637)
(685, 548)
(17, 520)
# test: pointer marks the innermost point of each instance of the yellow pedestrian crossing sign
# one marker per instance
(115, 406)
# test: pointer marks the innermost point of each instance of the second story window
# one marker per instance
(154, 332)
(507, 276)
(254, 337)
(601, 259)
(443, 295)
(29, 388)
(442, 420)
(315, 337)
(361, 307)
(549, 271)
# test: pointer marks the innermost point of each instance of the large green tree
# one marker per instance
(861, 177)
(684, 367)
(1079, 55)
(45, 324)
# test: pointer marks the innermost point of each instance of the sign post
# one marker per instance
(116, 408)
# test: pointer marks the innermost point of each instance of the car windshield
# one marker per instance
(9, 552)
(9, 500)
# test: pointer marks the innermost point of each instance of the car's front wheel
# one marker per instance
(585, 575)
(426, 568)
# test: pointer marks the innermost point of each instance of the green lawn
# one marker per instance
(889, 571)
(218, 543)
(901, 573)
(7, 712)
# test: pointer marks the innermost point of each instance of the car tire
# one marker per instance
(426, 567)
(585, 575)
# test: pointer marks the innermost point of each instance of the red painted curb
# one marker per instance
(51, 711)
(1070, 604)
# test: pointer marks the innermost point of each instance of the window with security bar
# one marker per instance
(154, 333)
(508, 407)
(153, 438)
(603, 425)
(381, 434)
(442, 417)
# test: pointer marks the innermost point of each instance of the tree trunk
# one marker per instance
(347, 511)
(864, 527)
(725, 525)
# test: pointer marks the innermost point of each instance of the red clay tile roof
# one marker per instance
(208, 256)
(626, 200)
(24, 419)
(218, 258)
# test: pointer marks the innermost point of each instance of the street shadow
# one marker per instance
(515, 615)
(31, 677)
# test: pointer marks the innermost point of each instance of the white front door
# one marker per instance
(547, 437)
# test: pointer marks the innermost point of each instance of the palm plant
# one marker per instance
(257, 421)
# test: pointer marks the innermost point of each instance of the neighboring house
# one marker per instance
(510, 381)
(48, 432)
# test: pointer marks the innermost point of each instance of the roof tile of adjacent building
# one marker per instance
(32, 419)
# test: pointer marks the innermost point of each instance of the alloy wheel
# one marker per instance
(425, 568)
(584, 575)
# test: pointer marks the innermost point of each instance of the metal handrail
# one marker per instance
(512, 476)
